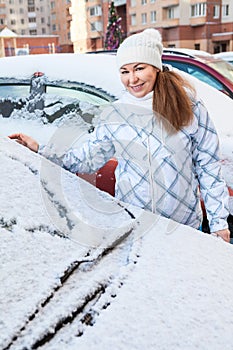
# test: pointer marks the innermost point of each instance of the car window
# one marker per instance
(14, 91)
(198, 73)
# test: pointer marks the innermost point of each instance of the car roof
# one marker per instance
(224, 54)
(186, 52)
(89, 69)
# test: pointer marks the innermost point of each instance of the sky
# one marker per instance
(108, 281)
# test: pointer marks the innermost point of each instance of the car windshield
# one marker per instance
(48, 101)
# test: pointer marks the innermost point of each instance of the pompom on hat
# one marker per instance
(144, 47)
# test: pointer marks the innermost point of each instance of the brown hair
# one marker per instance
(171, 101)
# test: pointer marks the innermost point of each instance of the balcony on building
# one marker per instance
(169, 3)
(96, 29)
(170, 15)
(31, 14)
(169, 23)
(119, 2)
(197, 21)
(32, 25)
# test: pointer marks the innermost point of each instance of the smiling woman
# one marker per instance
(165, 143)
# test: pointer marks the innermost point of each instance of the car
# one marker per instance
(226, 56)
(51, 90)
(209, 69)
(75, 261)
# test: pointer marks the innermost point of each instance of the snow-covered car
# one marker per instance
(80, 269)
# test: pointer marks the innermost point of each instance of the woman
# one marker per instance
(165, 143)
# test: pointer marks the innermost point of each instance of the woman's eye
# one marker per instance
(139, 68)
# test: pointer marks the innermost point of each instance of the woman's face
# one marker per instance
(138, 78)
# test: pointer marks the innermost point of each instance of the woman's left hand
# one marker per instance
(224, 234)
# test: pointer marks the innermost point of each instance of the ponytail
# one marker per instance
(171, 101)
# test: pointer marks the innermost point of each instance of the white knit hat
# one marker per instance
(144, 47)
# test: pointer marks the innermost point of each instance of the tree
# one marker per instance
(113, 36)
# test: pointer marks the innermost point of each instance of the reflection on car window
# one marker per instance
(79, 95)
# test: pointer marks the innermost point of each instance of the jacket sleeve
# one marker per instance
(206, 158)
(92, 155)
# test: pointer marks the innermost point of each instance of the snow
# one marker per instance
(77, 271)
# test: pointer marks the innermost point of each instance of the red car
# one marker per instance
(203, 66)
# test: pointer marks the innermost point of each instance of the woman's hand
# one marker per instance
(224, 234)
(26, 141)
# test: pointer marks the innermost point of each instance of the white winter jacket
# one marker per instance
(157, 171)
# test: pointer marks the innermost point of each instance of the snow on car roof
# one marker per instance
(89, 69)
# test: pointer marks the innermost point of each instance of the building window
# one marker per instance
(31, 9)
(22, 20)
(43, 31)
(12, 11)
(13, 22)
(133, 3)
(96, 26)
(33, 32)
(2, 21)
(23, 32)
(152, 1)
(31, 2)
(52, 4)
(197, 46)
(198, 10)
(153, 16)
(170, 13)
(21, 1)
(21, 10)
(95, 11)
(32, 20)
(144, 18)
(42, 20)
(225, 10)
(143, 2)
(54, 28)
(11, 1)
(216, 11)
(133, 20)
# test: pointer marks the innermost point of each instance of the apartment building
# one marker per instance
(38, 18)
(27, 17)
(2, 14)
(197, 24)
(60, 19)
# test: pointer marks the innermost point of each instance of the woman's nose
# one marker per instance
(133, 78)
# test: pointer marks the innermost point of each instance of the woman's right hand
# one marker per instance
(26, 141)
